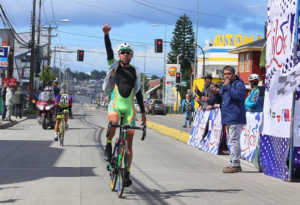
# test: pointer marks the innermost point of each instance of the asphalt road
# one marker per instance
(36, 170)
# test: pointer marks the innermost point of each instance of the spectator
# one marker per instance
(36, 95)
(233, 114)
(19, 97)
(3, 96)
(56, 89)
(206, 96)
(153, 105)
(49, 85)
(187, 107)
(251, 102)
(9, 102)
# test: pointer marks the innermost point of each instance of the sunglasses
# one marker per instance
(125, 52)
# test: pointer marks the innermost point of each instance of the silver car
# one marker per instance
(159, 107)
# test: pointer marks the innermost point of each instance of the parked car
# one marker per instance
(159, 107)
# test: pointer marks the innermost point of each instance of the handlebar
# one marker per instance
(127, 126)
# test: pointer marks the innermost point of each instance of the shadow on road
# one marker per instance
(8, 201)
(154, 194)
(22, 161)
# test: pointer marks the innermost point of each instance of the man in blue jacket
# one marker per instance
(232, 95)
(187, 107)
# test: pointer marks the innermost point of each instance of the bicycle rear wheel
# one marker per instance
(122, 168)
(62, 132)
(114, 165)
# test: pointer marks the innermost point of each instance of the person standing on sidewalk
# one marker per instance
(3, 96)
(19, 97)
(187, 107)
(153, 105)
(9, 102)
(206, 96)
(233, 114)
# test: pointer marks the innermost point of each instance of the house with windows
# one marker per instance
(248, 60)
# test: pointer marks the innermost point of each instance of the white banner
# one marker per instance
(212, 140)
(277, 118)
(282, 77)
(200, 122)
(250, 135)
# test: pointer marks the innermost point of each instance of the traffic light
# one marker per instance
(158, 45)
(178, 77)
(80, 55)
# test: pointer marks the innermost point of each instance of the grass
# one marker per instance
(30, 112)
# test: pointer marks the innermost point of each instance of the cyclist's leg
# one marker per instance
(113, 117)
(56, 127)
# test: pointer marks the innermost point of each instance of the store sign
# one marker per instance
(238, 40)
(4, 51)
(9, 81)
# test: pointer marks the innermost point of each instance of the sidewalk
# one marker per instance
(6, 124)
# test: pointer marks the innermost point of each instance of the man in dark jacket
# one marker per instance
(3, 96)
(56, 89)
(206, 96)
(19, 97)
(233, 114)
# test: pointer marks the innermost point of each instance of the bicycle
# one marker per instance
(116, 167)
(61, 128)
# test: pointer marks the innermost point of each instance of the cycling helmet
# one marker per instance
(125, 47)
(64, 100)
(254, 77)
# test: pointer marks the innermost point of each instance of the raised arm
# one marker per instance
(110, 53)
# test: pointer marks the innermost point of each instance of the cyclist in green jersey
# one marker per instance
(122, 83)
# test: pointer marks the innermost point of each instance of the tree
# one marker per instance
(48, 75)
(182, 42)
(96, 75)
(154, 77)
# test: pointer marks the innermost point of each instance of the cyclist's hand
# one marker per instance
(144, 119)
(106, 28)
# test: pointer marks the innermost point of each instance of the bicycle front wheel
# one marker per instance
(114, 165)
(122, 168)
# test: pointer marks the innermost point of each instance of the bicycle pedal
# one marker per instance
(108, 168)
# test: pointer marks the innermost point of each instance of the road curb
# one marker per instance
(171, 132)
(10, 124)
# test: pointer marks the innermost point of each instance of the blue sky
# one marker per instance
(131, 21)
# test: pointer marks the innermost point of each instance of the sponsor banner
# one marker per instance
(275, 139)
(200, 122)
(282, 77)
(296, 149)
(212, 140)
(273, 155)
(250, 135)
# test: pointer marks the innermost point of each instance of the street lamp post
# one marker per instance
(165, 52)
(203, 68)
(144, 69)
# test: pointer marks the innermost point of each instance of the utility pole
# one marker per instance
(196, 40)
(32, 57)
(39, 39)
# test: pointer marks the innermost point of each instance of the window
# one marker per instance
(247, 62)
(242, 63)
